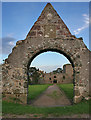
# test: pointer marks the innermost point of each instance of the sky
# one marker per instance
(19, 17)
(49, 61)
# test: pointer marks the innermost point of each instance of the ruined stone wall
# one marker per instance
(49, 33)
(65, 77)
(60, 77)
(68, 69)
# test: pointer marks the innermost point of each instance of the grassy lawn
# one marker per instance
(12, 108)
(35, 90)
(19, 109)
(68, 89)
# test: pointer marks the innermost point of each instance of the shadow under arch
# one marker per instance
(52, 50)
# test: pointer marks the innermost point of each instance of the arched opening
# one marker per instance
(52, 79)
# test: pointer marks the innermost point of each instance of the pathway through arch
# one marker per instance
(52, 97)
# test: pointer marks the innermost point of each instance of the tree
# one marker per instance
(59, 70)
(34, 75)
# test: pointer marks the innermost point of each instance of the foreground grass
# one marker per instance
(35, 90)
(18, 109)
(68, 89)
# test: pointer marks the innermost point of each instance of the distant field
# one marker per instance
(35, 90)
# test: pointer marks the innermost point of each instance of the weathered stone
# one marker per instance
(16, 91)
(36, 27)
(33, 33)
(77, 99)
(25, 84)
(77, 93)
(49, 33)
(66, 76)
(19, 42)
(40, 33)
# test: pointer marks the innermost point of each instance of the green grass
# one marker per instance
(19, 109)
(15, 108)
(35, 90)
(68, 89)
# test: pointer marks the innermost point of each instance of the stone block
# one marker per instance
(25, 84)
(77, 99)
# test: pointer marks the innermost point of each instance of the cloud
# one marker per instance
(8, 43)
(11, 43)
(49, 68)
(10, 35)
(85, 25)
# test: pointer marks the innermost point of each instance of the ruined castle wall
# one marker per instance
(68, 69)
(60, 77)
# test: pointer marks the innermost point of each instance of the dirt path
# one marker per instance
(49, 116)
(53, 96)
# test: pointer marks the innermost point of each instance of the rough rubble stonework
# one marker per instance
(66, 76)
(48, 33)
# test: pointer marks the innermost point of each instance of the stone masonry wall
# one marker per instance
(68, 69)
(48, 33)
(61, 78)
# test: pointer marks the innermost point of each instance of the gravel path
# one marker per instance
(53, 96)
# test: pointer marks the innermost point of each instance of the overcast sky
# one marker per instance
(19, 17)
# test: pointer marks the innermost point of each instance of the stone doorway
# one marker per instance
(54, 79)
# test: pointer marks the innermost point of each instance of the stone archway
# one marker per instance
(57, 50)
(48, 33)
